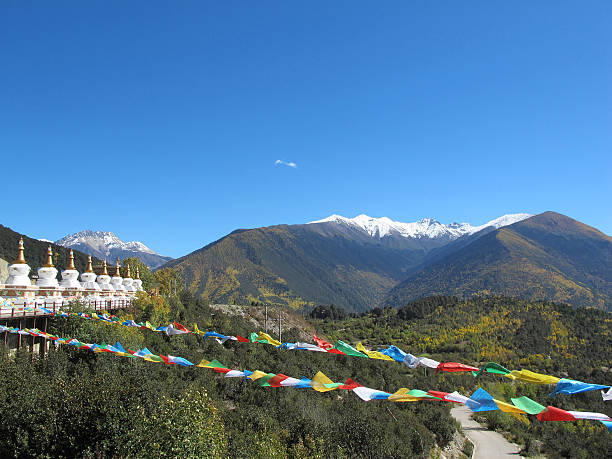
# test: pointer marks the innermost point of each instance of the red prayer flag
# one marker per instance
(455, 367)
(180, 327)
(335, 351)
(242, 339)
(275, 381)
(349, 385)
(321, 343)
(555, 414)
(222, 370)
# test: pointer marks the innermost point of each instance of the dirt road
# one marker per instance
(487, 444)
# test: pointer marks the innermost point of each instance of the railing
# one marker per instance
(60, 304)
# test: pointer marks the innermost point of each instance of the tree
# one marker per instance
(169, 281)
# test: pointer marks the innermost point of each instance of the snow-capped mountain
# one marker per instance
(106, 246)
(425, 228)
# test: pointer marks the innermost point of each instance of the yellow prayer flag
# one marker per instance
(508, 408)
(268, 338)
(402, 396)
(257, 374)
(373, 354)
(530, 376)
(203, 363)
(319, 381)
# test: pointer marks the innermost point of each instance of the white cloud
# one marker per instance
(279, 162)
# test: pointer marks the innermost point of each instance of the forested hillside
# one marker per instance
(298, 265)
(104, 405)
(548, 256)
(80, 404)
(539, 336)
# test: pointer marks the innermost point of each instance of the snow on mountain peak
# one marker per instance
(504, 220)
(102, 242)
(424, 228)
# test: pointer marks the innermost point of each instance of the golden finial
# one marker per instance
(49, 263)
(137, 273)
(20, 258)
(128, 271)
(89, 265)
(71, 265)
(117, 272)
(104, 270)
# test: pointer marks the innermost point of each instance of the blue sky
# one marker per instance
(163, 121)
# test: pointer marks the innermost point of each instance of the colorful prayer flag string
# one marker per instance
(391, 353)
(479, 401)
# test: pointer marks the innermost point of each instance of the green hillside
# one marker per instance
(100, 405)
(540, 336)
(548, 256)
(296, 265)
(36, 251)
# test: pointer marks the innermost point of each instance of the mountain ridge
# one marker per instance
(106, 245)
(314, 263)
(426, 227)
(548, 256)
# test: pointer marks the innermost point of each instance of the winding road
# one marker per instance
(487, 444)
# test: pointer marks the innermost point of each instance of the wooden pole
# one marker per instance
(33, 337)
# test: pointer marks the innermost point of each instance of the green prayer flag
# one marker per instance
(253, 337)
(348, 349)
(492, 367)
(333, 385)
(528, 405)
(216, 364)
(421, 393)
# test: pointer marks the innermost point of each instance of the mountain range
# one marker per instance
(106, 246)
(363, 262)
(548, 256)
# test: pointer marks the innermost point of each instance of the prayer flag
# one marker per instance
(321, 343)
(531, 377)
(528, 405)
(569, 386)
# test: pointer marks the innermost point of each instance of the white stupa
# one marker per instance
(128, 281)
(19, 270)
(47, 274)
(88, 277)
(137, 282)
(70, 276)
(104, 281)
(117, 280)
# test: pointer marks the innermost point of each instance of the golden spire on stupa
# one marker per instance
(128, 271)
(117, 272)
(71, 265)
(49, 263)
(20, 258)
(104, 270)
(89, 265)
(137, 273)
